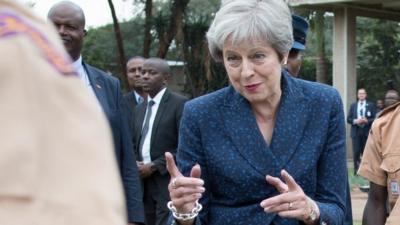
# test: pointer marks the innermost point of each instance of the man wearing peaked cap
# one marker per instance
(300, 28)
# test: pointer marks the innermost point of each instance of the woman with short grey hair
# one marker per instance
(268, 149)
(240, 21)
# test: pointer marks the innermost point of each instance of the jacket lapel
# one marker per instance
(241, 126)
(292, 118)
(160, 112)
(355, 110)
(97, 84)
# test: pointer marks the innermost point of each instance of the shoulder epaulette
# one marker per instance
(12, 25)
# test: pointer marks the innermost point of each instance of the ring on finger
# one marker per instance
(174, 185)
(290, 206)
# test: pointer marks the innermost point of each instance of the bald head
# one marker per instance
(160, 64)
(69, 20)
(155, 73)
(67, 7)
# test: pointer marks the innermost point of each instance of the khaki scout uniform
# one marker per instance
(381, 159)
(57, 165)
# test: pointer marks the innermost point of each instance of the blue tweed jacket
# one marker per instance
(219, 132)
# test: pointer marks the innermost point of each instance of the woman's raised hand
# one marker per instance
(292, 202)
(184, 191)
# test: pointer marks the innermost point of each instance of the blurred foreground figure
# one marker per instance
(381, 166)
(57, 165)
(69, 20)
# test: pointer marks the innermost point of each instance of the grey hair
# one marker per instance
(251, 20)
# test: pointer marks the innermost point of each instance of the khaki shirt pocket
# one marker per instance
(391, 164)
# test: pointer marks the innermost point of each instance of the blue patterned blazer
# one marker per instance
(219, 132)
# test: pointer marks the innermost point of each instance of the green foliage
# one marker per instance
(378, 44)
(100, 48)
(201, 10)
(96, 43)
(308, 70)
(203, 73)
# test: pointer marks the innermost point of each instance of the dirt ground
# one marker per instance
(358, 200)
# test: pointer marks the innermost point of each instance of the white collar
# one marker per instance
(79, 67)
(78, 63)
(137, 96)
(158, 97)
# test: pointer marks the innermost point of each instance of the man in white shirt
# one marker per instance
(156, 132)
(69, 20)
(360, 117)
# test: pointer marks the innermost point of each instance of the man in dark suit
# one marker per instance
(136, 94)
(295, 58)
(360, 117)
(69, 20)
(156, 132)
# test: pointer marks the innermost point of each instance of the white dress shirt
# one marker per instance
(139, 98)
(85, 79)
(361, 107)
(83, 75)
(146, 144)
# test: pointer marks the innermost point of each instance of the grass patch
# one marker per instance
(355, 181)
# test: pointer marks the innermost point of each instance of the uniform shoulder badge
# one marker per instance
(12, 25)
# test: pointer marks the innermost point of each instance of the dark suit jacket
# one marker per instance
(108, 92)
(130, 99)
(164, 136)
(352, 115)
(220, 133)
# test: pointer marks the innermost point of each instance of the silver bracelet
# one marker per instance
(185, 216)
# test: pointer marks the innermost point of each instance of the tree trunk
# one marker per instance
(176, 19)
(321, 72)
(147, 28)
(120, 44)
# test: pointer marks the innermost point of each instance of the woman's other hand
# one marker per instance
(184, 191)
(292, 202)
